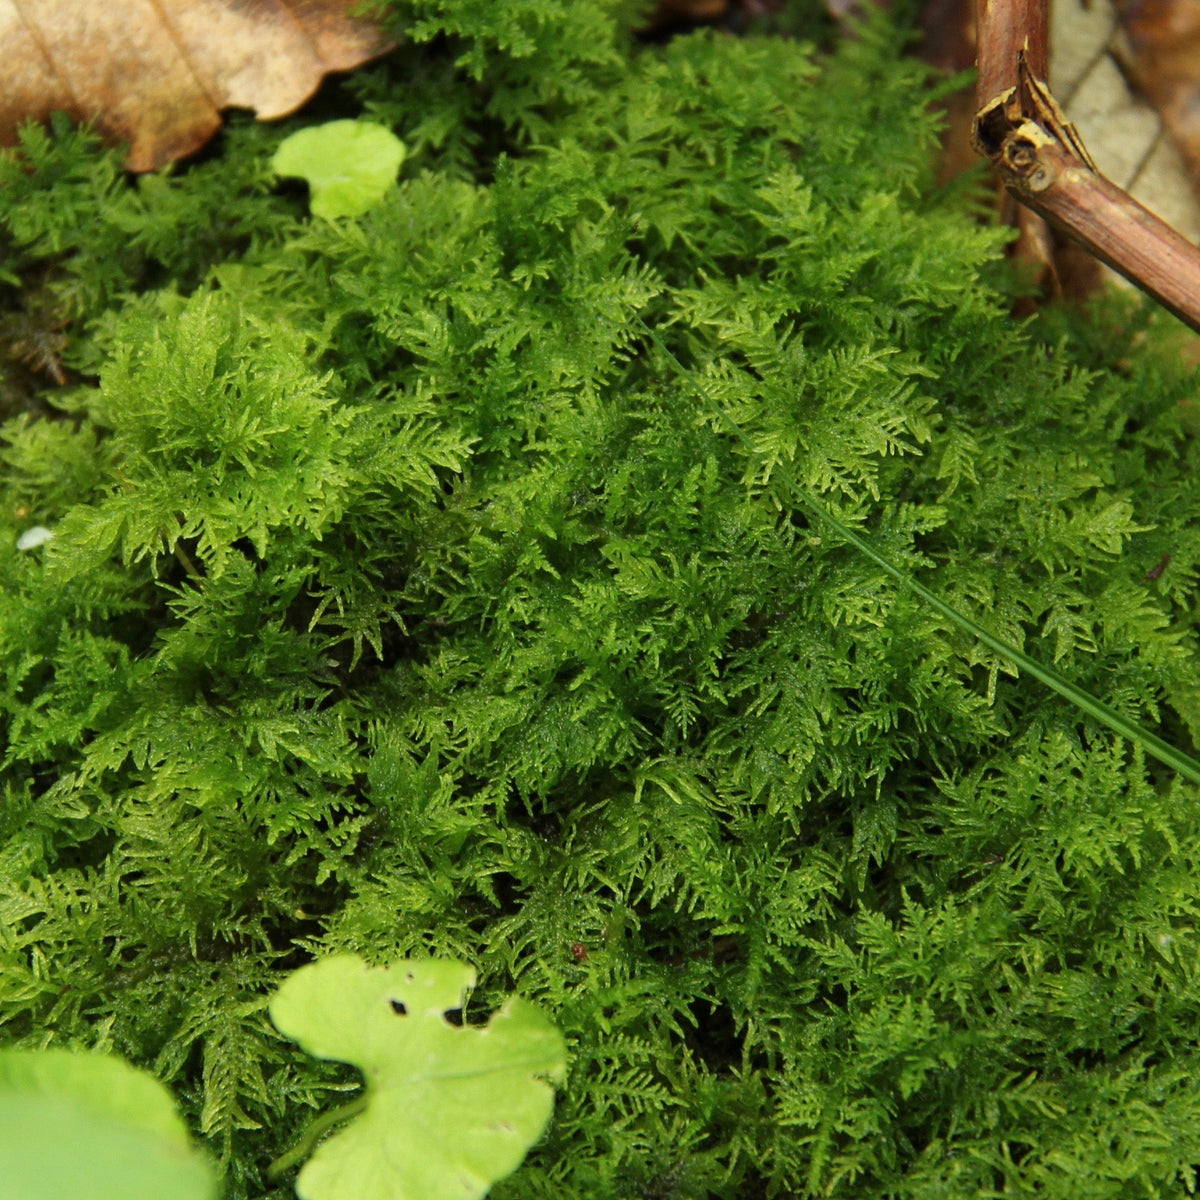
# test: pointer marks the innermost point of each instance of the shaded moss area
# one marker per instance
(402, 599)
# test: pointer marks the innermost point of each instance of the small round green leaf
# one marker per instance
(348, 165)
(89, 1125)
(449, 1109)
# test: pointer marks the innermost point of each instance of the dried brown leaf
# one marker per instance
(156, 73)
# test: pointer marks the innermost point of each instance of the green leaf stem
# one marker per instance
(1083, 700)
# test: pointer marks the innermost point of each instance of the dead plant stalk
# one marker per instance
(1041, 160)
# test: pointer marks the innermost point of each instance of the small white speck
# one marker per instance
(39, 535)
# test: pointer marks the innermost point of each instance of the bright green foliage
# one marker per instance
(348, 165)
(449, 1108)
(90, 1125)
(404, 601)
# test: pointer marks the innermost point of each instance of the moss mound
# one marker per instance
(403, 598)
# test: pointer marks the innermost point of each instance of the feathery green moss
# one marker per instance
(403, 599)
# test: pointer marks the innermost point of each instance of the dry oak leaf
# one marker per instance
(156, 73)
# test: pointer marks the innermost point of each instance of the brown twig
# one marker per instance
(1108, 221)
(1007, 28)
(1043, 163)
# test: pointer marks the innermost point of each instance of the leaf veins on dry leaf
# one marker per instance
(155, 74)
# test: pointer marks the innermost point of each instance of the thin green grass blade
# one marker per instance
(1085, 701)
